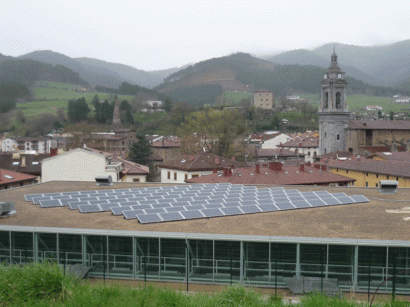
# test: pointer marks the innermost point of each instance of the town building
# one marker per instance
(369, 172)
(29, 164)
(308, 147)
(180, 170)
(265, 155)
(152, 106)
(369, 135)
(11, 180)
(28, 144)
(168, 148)
(263, 100)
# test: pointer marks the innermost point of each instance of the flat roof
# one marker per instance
(364, 221)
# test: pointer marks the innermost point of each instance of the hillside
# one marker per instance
(97, 72)
(244, 73)
(28, 71)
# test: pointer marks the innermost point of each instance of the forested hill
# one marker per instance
(242, 72)
(28, 71)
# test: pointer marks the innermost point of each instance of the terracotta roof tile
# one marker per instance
(7, 176)
(33, 163)
(290, 175)
(277, 152)
(201, 162)
(301, 143)
(403, 156)
(391, 168)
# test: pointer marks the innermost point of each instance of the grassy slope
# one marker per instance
(49, 96)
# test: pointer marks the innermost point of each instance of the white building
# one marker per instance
(27, 144)
(274, 142)
(79, 165)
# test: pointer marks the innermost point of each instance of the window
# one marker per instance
(195, 175)
(338, 100)
(367, 174)
(377, 185)
(387, 177)
(136, 180)
(186, 177)
(325, 134)
(338, 137)
(175, 176)
(377, 175)
(367, 184)
(397, 178)
(347, 171)
(169, 175)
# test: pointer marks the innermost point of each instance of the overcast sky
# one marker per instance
(160, 35)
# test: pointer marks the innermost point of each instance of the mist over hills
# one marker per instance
(97, 72)
(386, 65)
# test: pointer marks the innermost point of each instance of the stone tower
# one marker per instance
(116, 119)
(333, 110)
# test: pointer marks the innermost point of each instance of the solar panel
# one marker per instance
(89, 208)
(97, 202)
(284, 205)
(156, 210)
(74, 204)
(175, 209)
(316, 202)
(211, 206)
(339, 195)
(250, 209)
(171, 216)
(50, 203)
(232, 204)
(345, 200)
(268, 207)
(192, 214)
(266, 201)
(331, 201)
(148, 218)
(231, 211)
(136, 206)
(194, 207)
(212, 212)
(131, 214)
(36, 200)
(108, 206)
(296, 198)
(301, 204)
(359, 198)
(119, 210)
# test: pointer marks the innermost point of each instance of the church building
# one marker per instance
(333, 110)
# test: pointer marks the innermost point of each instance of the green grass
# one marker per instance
(236, 97)
(46, 284)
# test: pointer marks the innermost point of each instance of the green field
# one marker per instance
(236, 97)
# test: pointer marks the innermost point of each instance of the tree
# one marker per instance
(213, 130)
(140, 151)
(126, 113)
(391, 115)
(168, 105)
(9, 92)
(77, 109)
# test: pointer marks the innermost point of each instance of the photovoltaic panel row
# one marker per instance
(193, 201)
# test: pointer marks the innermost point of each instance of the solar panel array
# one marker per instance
(185, 202)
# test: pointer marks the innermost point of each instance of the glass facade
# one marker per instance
(257, 263)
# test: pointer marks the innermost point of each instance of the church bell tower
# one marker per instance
(333, 110)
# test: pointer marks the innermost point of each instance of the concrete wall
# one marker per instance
(75, 165)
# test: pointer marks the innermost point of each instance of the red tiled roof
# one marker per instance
(391, 168)
(379, 124)
(14, 177)
(290, 175)
(132, 167)
(336, 154)
(301, 143)
(403, 156)
(277, 152)
(374, 149)
(201, 162)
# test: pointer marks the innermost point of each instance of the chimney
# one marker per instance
(214, 171)
(308, 164)
(217, 160)
(317, 166)
(323, 168)
(279, 166)
(302, 167)
(281, 151)
(23, 161)
(300, 144)
(227, 172)
(53, 152)
(271, 166)
(257, 168)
